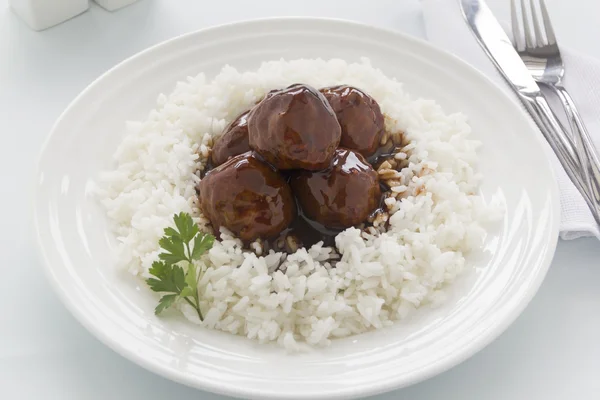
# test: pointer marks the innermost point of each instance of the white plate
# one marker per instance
(77, 247)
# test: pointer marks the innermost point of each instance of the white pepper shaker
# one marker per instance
(112, 5)
(42, 14)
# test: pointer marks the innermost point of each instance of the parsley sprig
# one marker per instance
(169, 276)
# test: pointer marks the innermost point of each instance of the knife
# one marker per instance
(499, 48)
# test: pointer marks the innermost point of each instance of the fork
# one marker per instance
(541, 55)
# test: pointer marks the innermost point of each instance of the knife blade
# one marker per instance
(491, 37)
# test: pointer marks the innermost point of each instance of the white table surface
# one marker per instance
(552, 351)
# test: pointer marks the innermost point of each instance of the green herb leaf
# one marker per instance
(178, 277)
(163, 281)
(171, 278)
(159, 269)
(165, 302)
(170, 232)
(202, 243)
(186, 226)
(174, 250)
(191, 279)
(186, 292)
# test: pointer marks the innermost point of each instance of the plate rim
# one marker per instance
(233, 390)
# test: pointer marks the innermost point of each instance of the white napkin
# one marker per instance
(447, 29)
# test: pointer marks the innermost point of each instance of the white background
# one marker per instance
(551, 352)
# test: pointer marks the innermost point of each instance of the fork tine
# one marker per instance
(536, 24)
(516, 31)
(547, 24)
(529, 41)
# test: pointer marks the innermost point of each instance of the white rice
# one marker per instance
(378, 278)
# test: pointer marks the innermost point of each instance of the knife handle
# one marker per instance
(561, 144)
(583, 143)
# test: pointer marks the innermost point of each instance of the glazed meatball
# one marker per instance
(294, 128)
(233, 141)
(340, 196)
(359, 116)
(248, 197)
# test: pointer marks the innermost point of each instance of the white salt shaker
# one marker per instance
(42, 14)
(112, 5)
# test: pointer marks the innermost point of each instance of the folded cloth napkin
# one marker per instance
(447, 29)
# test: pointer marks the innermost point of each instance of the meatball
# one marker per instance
(294, 128)
(359, 116)
(233, 141)
(248, 197)
(340, 196)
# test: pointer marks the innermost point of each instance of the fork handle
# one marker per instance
(588, 155)
(561, 144)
